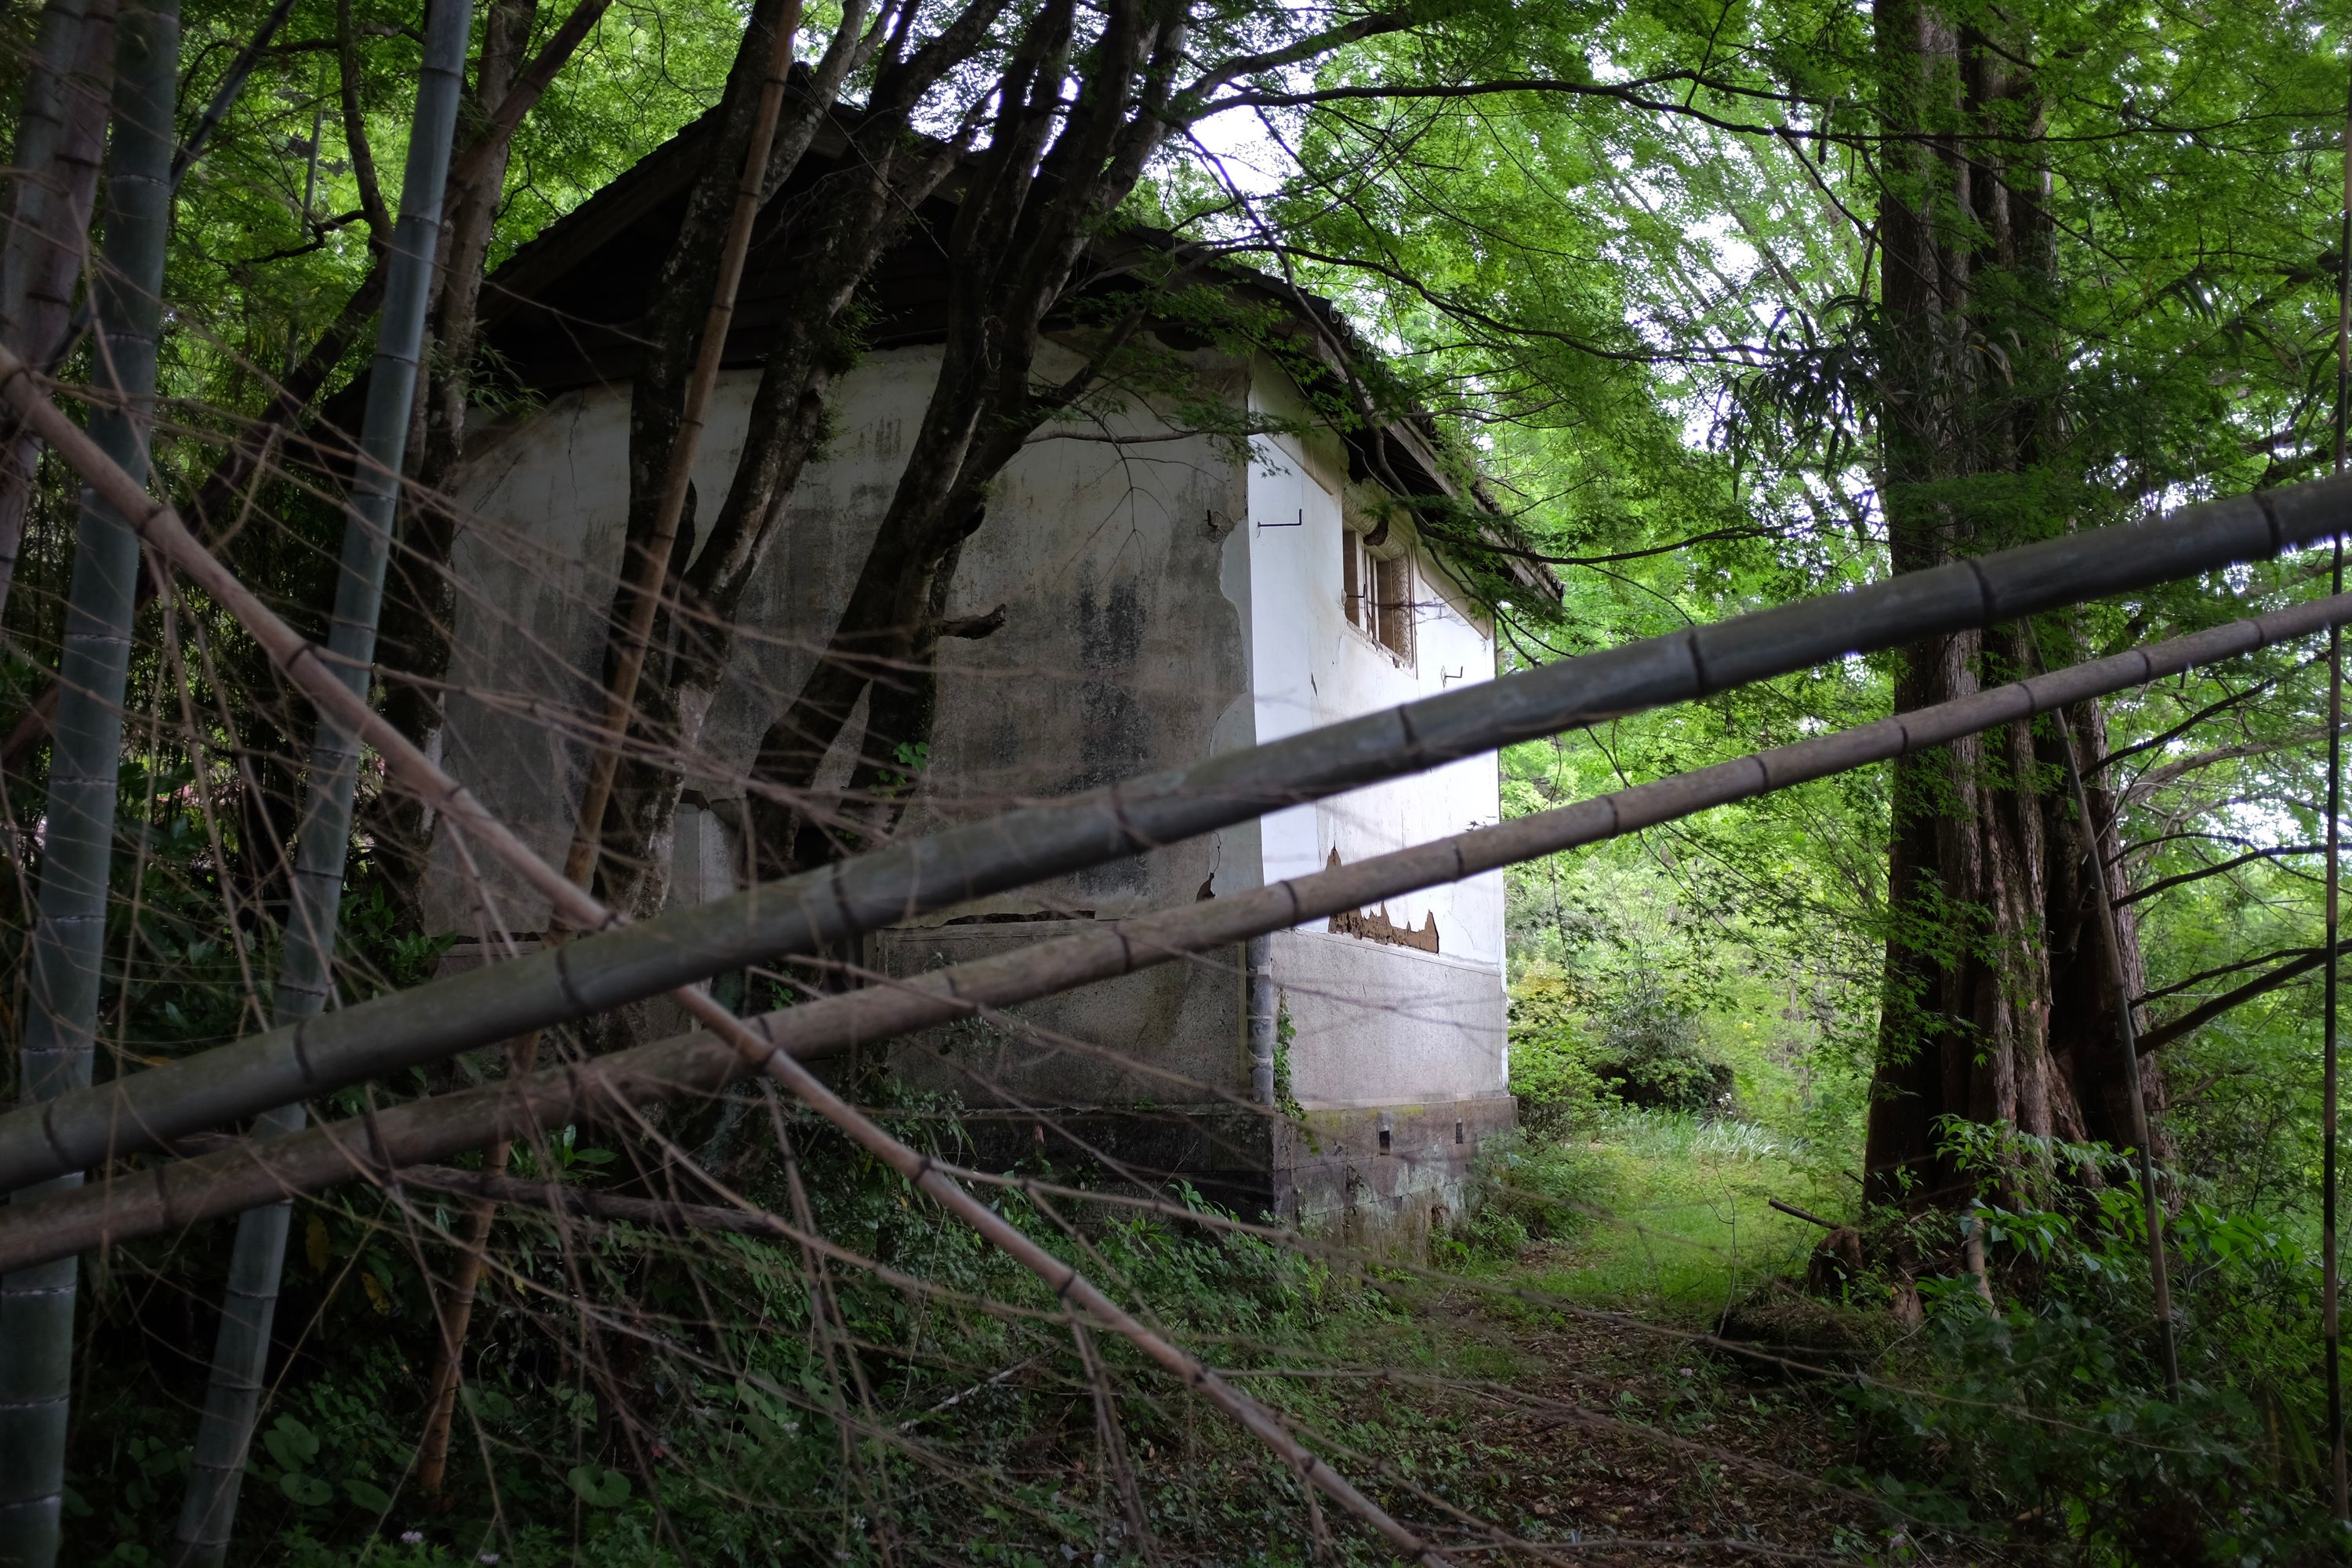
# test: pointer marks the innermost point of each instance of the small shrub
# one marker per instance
(1556, 1088)
(1647, 1048)
(1572, 1057)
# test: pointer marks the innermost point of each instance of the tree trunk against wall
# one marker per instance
(830, 241)
(1030, 203)
(1034, 202)
(1994, 1004)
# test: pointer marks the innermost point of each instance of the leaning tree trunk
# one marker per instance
(1993, 1006)
(1037, 199)
(61, 135)
(241, 1348)
(829, 246)
(37, 1305)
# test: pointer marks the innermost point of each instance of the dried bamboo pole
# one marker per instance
(2127, 1034)
(1921, 601)
(801, 914)
(189, 1191)
(37, 1305)
(323, 841)
(756, 1050)
(455, 1306)
(652, 564)
(2331, 1332)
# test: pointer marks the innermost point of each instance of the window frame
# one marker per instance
(1386, 623)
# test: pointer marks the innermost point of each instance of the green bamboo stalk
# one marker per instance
(40, 124)
(61, 136)
(801, 914)
(37, 1305)
(322, 843)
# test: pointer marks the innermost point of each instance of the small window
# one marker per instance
(1392, 606)
(1352, 561)
(1378, 594)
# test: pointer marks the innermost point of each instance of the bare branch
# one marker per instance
(2137, 894)
(2197, 1018)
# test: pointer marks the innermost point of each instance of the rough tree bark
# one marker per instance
(1994, 1002)
(830, 240)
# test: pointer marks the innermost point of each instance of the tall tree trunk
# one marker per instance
(37, 1305)
(1992, 1005)
(256, 1262)
(60, 139)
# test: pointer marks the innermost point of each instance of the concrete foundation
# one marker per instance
(1395, 1055)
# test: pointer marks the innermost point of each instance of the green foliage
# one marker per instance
(2047, 1419)
(1648, 1049)
(1285, 1097)
(1636, 1045)
(1555, 1088)
(1528, 1190)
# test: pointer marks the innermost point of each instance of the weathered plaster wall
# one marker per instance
(1148, 622)
(1120, 649)
(1375, 1023)
(1171, 1035)
(1311, 667)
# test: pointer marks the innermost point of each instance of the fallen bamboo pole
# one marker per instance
(666, 1214)
(756, 1050)
(186, 1191)
(2119, 996)
(1112, 823)
(804, 914)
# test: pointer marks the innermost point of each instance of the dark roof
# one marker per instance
(565, 311)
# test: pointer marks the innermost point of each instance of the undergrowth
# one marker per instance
(635, 1398)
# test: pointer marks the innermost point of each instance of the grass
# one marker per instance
(1686, 1229)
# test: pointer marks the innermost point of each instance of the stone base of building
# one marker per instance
(1381, 1179)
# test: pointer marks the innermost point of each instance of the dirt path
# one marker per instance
(1623, 1440)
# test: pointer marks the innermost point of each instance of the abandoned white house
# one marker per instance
(1166, 596)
